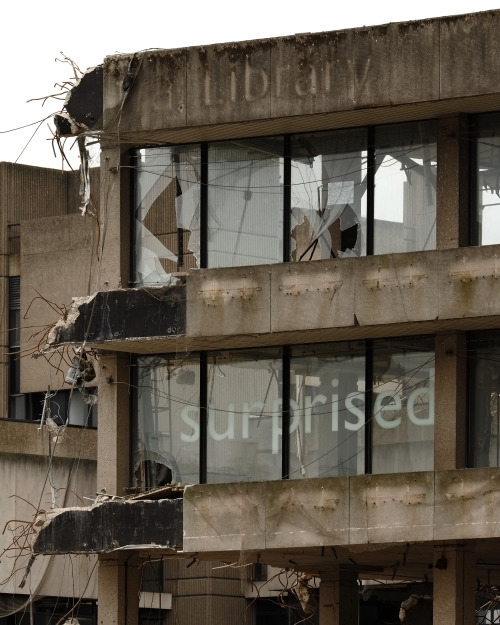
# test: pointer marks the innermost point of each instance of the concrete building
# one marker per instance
(294, 314)
(44, 244)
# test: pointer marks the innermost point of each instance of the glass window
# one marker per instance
(317, 394)
(244, 416)
(327, 408)
(340, 193)
(245, 202)
(405, 188)
(403, 405)
(167, 427)
(486, 225)
(484, 397)
(166, 224)
(328, 194)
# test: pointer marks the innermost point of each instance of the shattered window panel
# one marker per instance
(487, 209)
(244, 416)
(328, 194)
(327, 410)
(405, 188)
(403, 405)
(167, 212)
(484, 397)
(245, 202)
(167, 422)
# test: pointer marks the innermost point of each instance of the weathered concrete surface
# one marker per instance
(360, 510)
(26, 439)
(335, 72)
(111, 525)
(238, 511)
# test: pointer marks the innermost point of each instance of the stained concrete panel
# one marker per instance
(396, 63)
(56, 257)
(158, 76)
(312, 73)
(391, 508)
(229, 82)
(469, 52)
(467, 503)
(224, 517)
(468, 282)
(317, 294)
(310, 513)
(395, 288)
(226, 302)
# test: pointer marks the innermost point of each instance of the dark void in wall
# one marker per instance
(128, 314)
(111, 525)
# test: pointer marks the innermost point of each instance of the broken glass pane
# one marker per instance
(245, 202)
(167, 209)
(405, 188)
(328, 195)
(167, 424)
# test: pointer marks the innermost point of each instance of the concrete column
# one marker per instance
(452, 183)
(454, 586)
(113, 442)
(118, 591)
(339, 599)
(450, 424)
(112, 271)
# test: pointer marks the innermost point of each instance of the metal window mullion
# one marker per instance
(203, 416)
(285, 416)
(287, 198)
(204, 206)
(368, 406)
(370, 191)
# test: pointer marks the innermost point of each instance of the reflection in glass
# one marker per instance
(487, 217)
(244, 416)
(403, 405)
(484, 393)
(245, 202)
(166, 224)
(328, 194)
(167, 422)
(405, 188)
(327, 408)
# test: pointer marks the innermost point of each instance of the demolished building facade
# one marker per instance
(296, 314)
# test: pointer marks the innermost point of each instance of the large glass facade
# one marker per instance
(278, 199)
(300, 412)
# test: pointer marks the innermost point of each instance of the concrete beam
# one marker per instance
(389, 295)
(349, 511)
(112, 525)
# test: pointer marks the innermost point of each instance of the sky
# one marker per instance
(37, 36)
